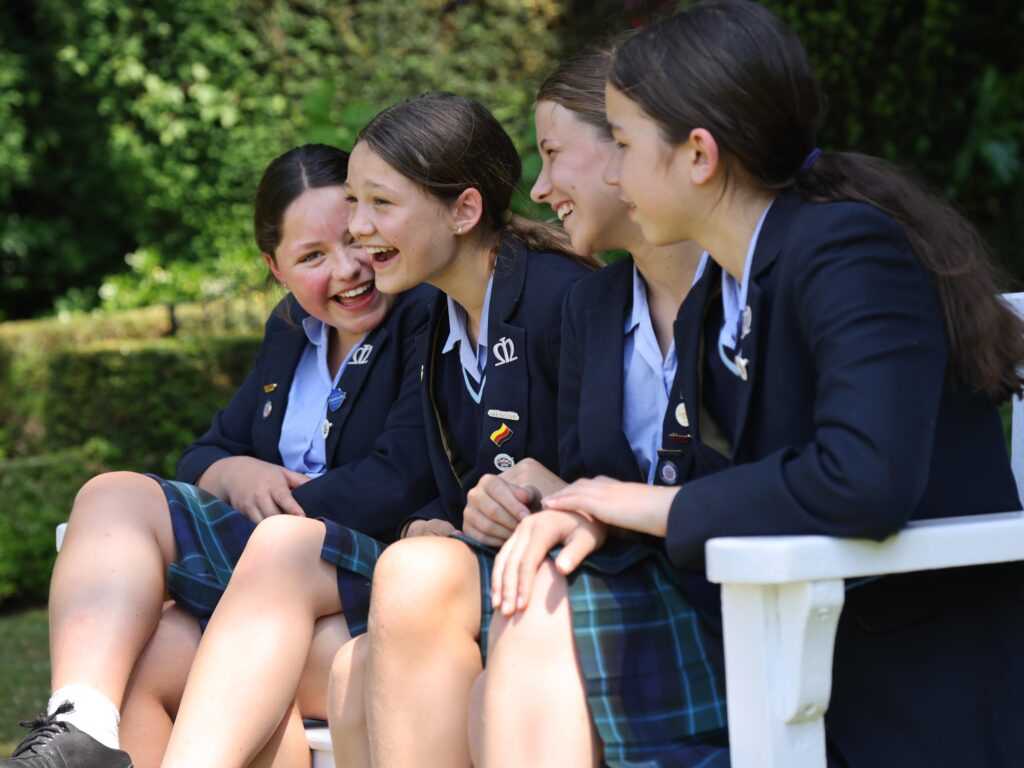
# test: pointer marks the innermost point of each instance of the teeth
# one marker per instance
(373, 250)
(564, 210)
(356, 291)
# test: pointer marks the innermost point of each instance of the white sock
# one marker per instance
(93, 712)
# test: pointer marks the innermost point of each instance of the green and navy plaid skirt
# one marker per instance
(654, 692)
(211, 534)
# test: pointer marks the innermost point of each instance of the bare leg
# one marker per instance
(251, 659)
(287, 747)
(424, 624)
(346, 711)
(154, 691)
(109, 582)
(534, 707)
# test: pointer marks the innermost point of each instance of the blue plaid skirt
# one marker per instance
(653, 690)
(210, 535)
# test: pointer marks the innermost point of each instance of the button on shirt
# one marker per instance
(302, 443)
(474, 361)
(647, 381)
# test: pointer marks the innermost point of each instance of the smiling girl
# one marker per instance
(430, 183)
(840, 363)
(286, 445)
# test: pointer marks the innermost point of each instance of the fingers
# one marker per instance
(294, 479)
(285, 502)
(528, 495)
(515, 567)
(580, 543)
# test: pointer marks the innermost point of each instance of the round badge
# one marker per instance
(669, 473)
(504, 462)
(267, 408)
(681, 417)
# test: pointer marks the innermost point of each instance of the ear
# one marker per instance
(273, 268)
(467, 210)
(703, 156)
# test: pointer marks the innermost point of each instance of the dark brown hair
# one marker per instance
(579, 81)
(733, 68)
(286, 178)
(447, 144)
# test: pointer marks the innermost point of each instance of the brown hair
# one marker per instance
(732, 67)
(447, 144)
(579, 81)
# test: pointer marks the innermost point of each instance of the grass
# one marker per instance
(24, 672)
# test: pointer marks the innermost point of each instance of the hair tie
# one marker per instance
(810, 160)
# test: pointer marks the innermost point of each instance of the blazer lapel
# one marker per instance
(769, 242)
(351, 383)
(506, 399)
(282, 358)
(602, 441)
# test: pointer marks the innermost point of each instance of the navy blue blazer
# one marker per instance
(523, 327)
(590, 386)
(848, 426)
(377, 433)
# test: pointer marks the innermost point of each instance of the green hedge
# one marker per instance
(37, 494)
(148, 399)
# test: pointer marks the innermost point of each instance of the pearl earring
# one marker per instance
(458, 230)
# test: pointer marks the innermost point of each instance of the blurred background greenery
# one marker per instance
(132, 135)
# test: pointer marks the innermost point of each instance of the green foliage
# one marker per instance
(27, 348)
(149, 399)
(37, 493)
(25, 683)
(170, 110)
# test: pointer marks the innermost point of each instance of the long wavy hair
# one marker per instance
(735, 69)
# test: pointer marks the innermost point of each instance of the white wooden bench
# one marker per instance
(781, 599)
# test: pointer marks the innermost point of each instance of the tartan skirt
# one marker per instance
(211, 535)
(654, 692)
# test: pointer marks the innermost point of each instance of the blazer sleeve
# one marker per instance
(374, 495)
(863, 306)
(230, 433)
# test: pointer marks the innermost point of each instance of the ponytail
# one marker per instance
(538, 236)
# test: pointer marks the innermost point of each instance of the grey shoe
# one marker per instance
(53, 743)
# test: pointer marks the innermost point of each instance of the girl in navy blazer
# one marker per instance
(842, 362)
(617, 364)
(286, 444)
(429, 188)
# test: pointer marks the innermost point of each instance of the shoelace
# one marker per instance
(43, 729)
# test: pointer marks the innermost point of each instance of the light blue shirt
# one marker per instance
(734, 303)
(473, 360)
(647, 381)
(302, 444)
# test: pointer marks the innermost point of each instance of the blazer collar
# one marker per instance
(355, 375)
(602, 441)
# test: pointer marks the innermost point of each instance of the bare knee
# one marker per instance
(424, 583)
(544, 628)
(346, 685)
(116, 494)
(281, 547)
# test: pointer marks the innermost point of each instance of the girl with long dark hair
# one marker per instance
(841, 362)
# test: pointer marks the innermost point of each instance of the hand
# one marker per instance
(499, 502)
(429, 528)
(257, 489)
(516, 565)
(635, 506)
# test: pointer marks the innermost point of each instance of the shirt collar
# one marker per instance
(734, 295)
(472, 363)
(316, 330)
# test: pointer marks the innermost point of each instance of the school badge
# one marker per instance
(504, 351)
(362, 355)
(503, 462)
(501, 434)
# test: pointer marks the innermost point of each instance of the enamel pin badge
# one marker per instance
(494, 413)
(503, 462)
(336, 398)
(268, 408)
(501, 434)
(268, 388)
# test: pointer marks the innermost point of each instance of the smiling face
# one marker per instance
(652, 176)
(573, 160)
(326, 270)
(409, 235)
